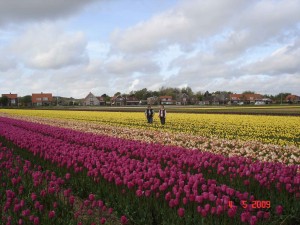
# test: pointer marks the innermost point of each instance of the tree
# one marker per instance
(141, 94)
(107, 99)
(168, 91)
(26, 100)
(187, 90)
(206, 94)
(155, 93)
(4, 100)
(117, 93)
(199, 96)
(148, 94)
(281, 97)
(248, 92)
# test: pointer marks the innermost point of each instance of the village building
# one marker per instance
(12, 99)
(92, 100)
(235, 98)
(167, 100)
(41, 99)
(118, 100)
(152, 100)
(250, 98)
(183, 99)
(292, 99)
(131, 100)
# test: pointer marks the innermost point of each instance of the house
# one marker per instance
(12, 99)
(219, 98)
(235, 98)
(152, 100)
(267, 100)
(101, 100)
(167, 100)
(245, 98)
(183, 99)
(42, 99)
(252, 98)
(131, 100)
(118, 100)
(292, 99)
(92, 100)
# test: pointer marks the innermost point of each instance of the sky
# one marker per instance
(74, 47)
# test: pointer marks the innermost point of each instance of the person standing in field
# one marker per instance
(149, 113)
(162, 115)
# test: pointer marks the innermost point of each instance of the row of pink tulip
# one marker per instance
(266, 174)
(31, 195)
(252, 149)
(182, 178)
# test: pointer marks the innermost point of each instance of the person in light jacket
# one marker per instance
(162, 115)
(149, 113)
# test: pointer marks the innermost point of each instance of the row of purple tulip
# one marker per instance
(187, 180)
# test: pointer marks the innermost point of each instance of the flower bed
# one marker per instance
(277, 130)
(251, 149)
(163, 184)
(31, 194)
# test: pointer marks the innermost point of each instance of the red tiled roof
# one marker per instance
(252, 96)
(292, 98)
(245, 96)
(10, 96)
(235, 96)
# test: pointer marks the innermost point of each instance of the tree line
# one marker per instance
(144, 93)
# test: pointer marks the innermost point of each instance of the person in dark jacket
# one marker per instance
(162, 115)
(149, 113)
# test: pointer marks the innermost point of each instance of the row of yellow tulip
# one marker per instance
(279, 130)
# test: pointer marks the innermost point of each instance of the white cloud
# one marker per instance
(47, 46)
(264, 22)
(7, 63)
(284, 60)
(134, 84)
(129, 64)
(191, 21)
(185, 23)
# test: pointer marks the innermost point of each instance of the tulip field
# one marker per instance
(76, 167)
